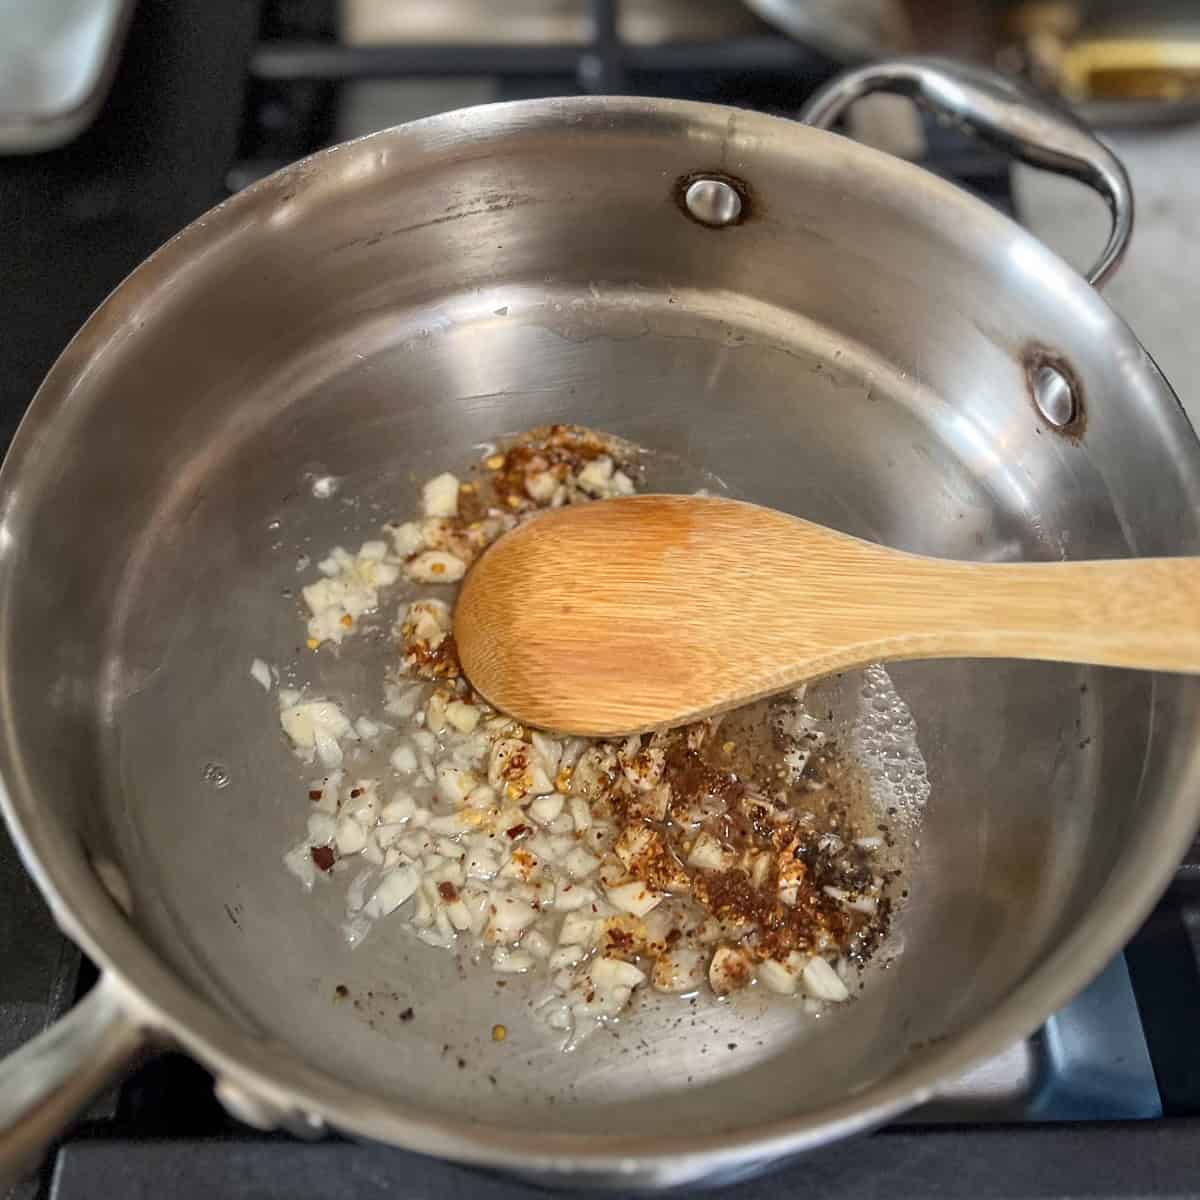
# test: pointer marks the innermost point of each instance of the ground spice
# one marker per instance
(791, 859)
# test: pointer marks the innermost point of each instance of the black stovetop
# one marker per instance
(1103, 1102)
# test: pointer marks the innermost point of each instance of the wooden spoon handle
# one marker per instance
(1122, 613)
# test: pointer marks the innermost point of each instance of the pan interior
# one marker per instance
(773, 422)
(379, 317)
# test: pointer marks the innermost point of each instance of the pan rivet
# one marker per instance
(247, 1108)
(1053, 395)
(713, 202)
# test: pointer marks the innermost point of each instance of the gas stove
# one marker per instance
(1103, 1101)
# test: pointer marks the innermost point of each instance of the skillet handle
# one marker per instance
(1004, 112)
(45, 1084)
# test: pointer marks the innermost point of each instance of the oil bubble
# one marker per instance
(215, 775)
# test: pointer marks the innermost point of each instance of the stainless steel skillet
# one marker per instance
(831, 332)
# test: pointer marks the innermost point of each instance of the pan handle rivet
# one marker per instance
(245, 1107)
(713, 202)
(1054, 397)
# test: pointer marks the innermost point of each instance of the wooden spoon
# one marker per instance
(632, 614)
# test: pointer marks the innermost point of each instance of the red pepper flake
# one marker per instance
(517, 830)
(322, 857)
(355, 793)
(673, 936)
(447, 891)
(315, 794)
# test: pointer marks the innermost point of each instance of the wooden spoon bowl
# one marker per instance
(633, 614)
